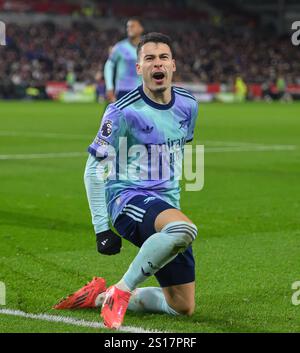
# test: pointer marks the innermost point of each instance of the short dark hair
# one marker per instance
(155, 37)
(137, 19)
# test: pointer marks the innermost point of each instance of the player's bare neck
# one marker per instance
(159, 97)
(135, 41)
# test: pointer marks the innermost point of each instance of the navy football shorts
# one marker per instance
(136, 224)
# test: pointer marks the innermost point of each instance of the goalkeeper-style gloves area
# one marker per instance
(108, 243)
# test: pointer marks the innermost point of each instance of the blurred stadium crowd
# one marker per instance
(206, 53)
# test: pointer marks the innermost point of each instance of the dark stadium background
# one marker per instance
(215, 41)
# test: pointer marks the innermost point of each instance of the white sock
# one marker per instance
(123, 286)
(148, 299)
(100, 298)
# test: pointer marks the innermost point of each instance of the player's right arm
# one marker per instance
(105, 142)
(109, 70)
(192, 123)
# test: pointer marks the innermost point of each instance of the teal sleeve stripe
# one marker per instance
(95, 189)
(109, 68)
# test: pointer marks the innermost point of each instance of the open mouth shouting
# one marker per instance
(158, 77)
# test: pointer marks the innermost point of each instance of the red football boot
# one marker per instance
(114, 307)
(84, 297)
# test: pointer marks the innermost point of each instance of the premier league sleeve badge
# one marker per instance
(106, 128)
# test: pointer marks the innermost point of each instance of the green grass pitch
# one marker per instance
(248, 214)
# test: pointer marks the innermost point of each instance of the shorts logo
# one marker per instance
(106, 129)
(148, 199)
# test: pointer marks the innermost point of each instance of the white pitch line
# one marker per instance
(43, 155)
(272, 148)
(71, 321)
(257, 148)
(238, 144)
(44, 135)
(230, 143)
(81, 136)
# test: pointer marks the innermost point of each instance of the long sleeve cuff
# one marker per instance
(95, 189)
(109, 68)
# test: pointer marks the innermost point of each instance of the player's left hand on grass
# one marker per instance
(108, 243)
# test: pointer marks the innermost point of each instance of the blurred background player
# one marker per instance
(240, 89)
(281, 89)
(119, 70)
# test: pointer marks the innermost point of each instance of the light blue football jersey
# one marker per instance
(121, 65)
(139, 121)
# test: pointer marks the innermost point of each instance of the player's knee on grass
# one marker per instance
(183, 233)
(187, 309)
(182, 307)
